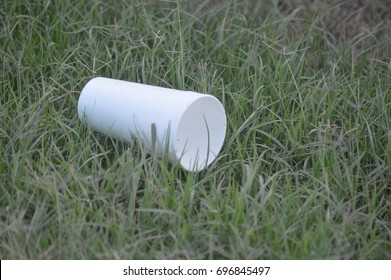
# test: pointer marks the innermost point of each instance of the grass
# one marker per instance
(304, 172)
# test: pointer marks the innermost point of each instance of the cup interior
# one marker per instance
(200, 133)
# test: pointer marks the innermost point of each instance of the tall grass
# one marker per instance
(304, 172)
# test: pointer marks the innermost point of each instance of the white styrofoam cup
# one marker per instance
(190, 125)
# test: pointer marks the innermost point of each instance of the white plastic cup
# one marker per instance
(189, 125)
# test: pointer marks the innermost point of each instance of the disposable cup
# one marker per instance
(187, 125)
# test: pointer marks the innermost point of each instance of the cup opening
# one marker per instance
(200, 133)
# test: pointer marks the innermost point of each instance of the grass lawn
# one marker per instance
(304, 171)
